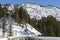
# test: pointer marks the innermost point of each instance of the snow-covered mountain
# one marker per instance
(16, 29)
(38, 11)
(35, 11)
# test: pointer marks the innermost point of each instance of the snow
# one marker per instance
(20, 31)
(11, 7)
(3, 39)
(30, 28)
(33, 10)
(38, 11)
(41, 38)
(0, 32)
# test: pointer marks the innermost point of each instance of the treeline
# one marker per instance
(49, 26)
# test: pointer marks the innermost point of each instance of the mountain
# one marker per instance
(38, 11)
(35, 10)
(8, 24)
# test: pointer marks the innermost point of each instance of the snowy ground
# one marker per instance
(41, 38)
(18, 29)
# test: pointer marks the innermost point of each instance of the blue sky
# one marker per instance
(41, 2)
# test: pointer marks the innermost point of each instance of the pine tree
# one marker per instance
(4, 10)
(23, 14)
(1, 10)
(17, 16)
(4, 24)
(50, 31)
(10, 29)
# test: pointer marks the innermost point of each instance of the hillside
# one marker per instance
(29, 19)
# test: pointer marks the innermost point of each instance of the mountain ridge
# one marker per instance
(35, 8)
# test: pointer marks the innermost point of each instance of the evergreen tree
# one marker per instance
(48, 26)
(4, 10)
(1, 11)
(4, 24)
(10, 29)
(23, 14)
(17, 15)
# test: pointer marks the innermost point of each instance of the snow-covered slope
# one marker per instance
(38, 11)
(17, 29)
